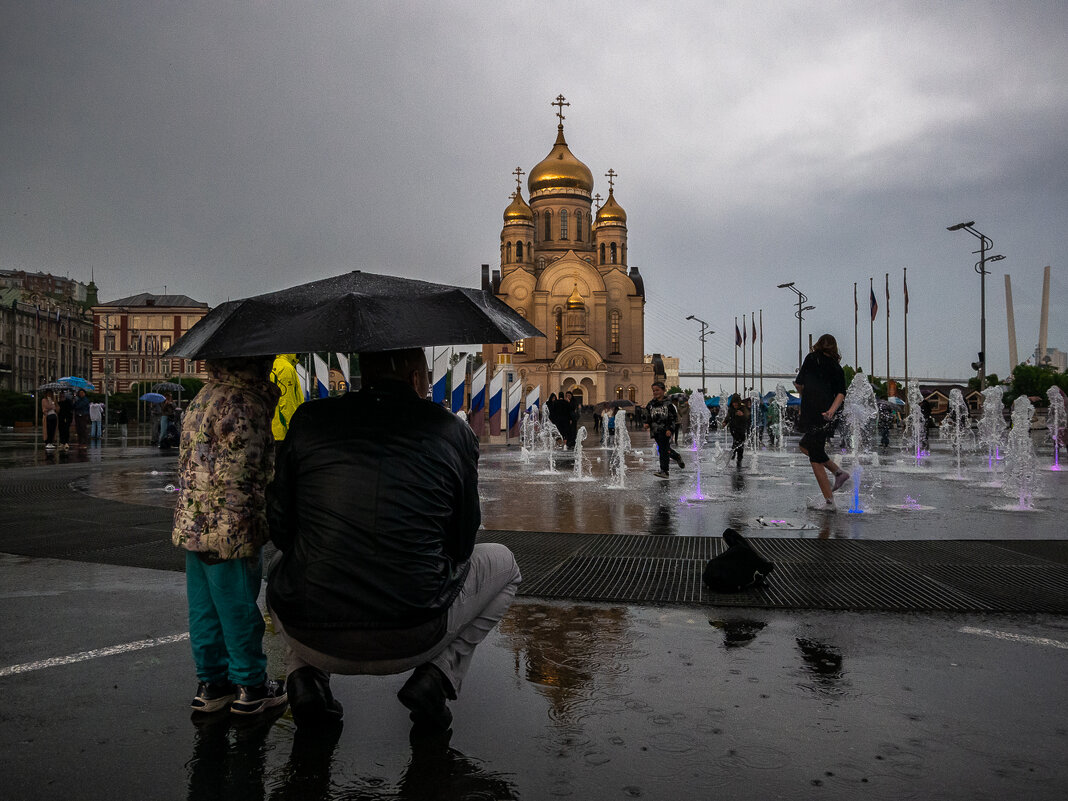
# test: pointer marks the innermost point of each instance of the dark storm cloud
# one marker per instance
(225, 149)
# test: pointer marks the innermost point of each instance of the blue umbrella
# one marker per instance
(713, 401)
(153, 397)
(78, 383)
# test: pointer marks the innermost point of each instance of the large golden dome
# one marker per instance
(574, 300)
(560, 169)
(518, 210)
(611, 211)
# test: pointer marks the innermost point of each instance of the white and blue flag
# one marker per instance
(459, 385)
(441, 371)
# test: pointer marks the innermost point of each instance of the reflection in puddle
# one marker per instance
(737, 633)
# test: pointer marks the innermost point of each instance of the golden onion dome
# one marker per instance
(518, 210)
(574, 300)
(611, 211)
(560, 170)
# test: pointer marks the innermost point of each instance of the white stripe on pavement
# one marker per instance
(1011, 637)
(138, 645)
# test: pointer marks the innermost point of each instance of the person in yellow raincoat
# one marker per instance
(284, 375)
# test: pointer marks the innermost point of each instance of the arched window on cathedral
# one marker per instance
(508, 253)
(548, 226)
(619, 392)
(535, 226)
(563, 223)
(558, 316)
(578, 226)
(632, 393)
(614, 253)
(519, 252)
(602, 253)
(614, 320)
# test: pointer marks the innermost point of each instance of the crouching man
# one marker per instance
(374, 509)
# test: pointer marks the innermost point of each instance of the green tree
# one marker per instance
(1033, 381)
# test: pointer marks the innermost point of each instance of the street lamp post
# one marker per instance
(704, 333)
(801, 309)
(985, 244)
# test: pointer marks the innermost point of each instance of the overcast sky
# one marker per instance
(227, 149)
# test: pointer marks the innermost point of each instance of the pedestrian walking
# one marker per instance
(96, 417)
(737, 422)
(663, 423)
(122, 417)
(50, 415)
(821, 382)
(66, 417)
(81, 418)
(225, 461)
(166, 415)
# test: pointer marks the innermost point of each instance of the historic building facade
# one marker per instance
(563, 267)
(131, 334)
(45, 329)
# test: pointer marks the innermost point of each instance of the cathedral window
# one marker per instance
(563, 223)
(559, 318)
(613, 331)
(614, 253)
(548, 226)
(602, 253)
(578, 226)
(535, 226)
(619, 392)
(518, 251)
(632, 393)
(508, 253)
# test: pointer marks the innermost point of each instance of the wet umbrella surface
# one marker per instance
(353, 313)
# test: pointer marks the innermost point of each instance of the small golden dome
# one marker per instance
(560, 169)
(574, 300)
(611, 211)
(518, 210)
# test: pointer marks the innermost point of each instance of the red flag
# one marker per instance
(737, 336)
(874, 305)
(754, 330)
(905, 278)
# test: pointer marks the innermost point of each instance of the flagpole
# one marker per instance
(888, 328)
(752, 348)
(856, 346)
(736, 355)
(761, 353)
(871, 326)
(905, 284)
(745, 336)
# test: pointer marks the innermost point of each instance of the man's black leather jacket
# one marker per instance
(375, 508)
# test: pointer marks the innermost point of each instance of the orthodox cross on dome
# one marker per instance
(597, 200)
(518, 173)
(611, 175)
(560, 102)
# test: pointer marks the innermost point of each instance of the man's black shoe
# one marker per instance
(678, 460)
(313, 705)
(212, 696)
(425, 694)
(253, 700)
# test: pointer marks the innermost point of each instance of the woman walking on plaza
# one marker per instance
(737, 422)
(51, 418)
(821, 382)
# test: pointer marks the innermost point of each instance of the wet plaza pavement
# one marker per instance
(624, 699)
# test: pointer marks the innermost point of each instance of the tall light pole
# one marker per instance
(801, 309)
(985, 243)
(704, 333)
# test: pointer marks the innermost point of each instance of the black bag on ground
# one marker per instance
(738, 568)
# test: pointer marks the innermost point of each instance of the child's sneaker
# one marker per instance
(253, 700)
(213, 696)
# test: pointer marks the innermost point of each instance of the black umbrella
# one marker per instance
(352, 313)
(613, 405)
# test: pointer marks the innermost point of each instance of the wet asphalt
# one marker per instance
(564, 699)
